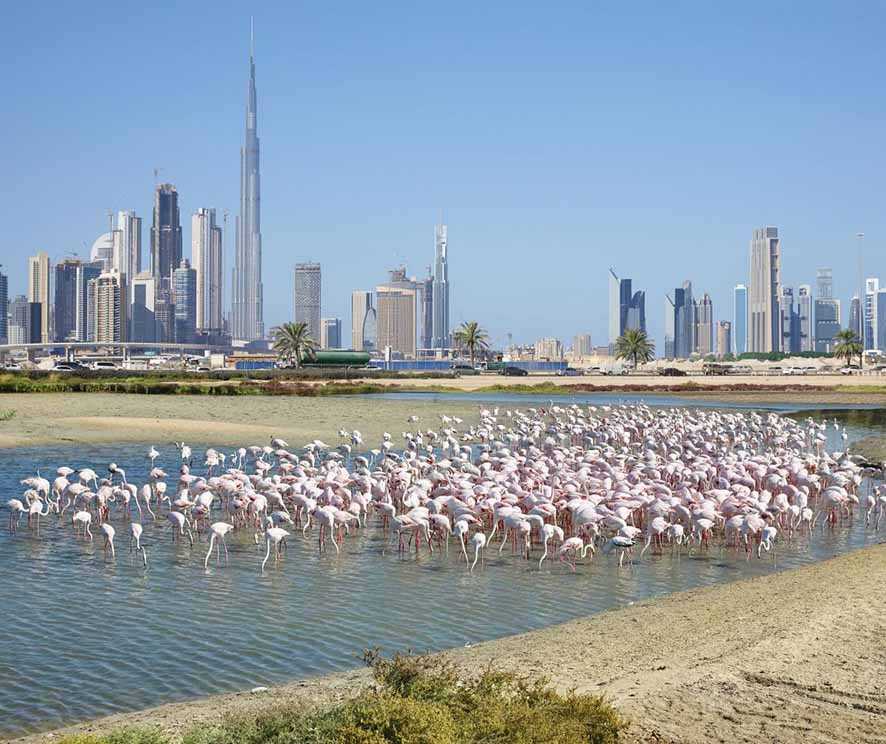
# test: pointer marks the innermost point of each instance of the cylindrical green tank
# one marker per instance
(336, 358)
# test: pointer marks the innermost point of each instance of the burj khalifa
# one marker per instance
(247, 315)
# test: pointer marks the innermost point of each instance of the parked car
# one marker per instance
(514, 372)
(68, 367)
(569, 372)
(851, 369)
(464, 369)
(672, 372)
(104, 364)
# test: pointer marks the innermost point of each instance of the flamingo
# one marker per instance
(109, 533)
(478, 542)
(218, 531)
(275, 535)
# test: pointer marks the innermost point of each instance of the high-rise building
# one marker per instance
(361, 305)
(549, 349)
(35, 324)
(881, 319)
(871, 294)
(440, 289)
(764, 292)
(724, 338)
(102, 251)
(65, 302)
(330, 333)
(395, 307)
(164, 316)
(4, 308)
(704, 326)
(669, 328)
(804, 311)
(307, 297)
(107, 308)
(398, 279)
(166, 235)
(206, 258)
(789, 322)
(142, 318)
(38, 291)
(740, 319)
(582, 346)
(684, 321)
(184, 296)
(127, 246)
(827, 319)
(627, 309)
(247, 304)
(427, 311)
(20, 320)
(855, 323)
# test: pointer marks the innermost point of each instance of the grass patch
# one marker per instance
(415, 700)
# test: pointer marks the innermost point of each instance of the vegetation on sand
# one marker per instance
(293, 342)
(848, 346)
(472, 338)
(635, 346)
(415, 700)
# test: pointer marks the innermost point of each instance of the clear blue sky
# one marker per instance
(560, 138)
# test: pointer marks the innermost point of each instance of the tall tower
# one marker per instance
(38, 291)
(307, 297)
(247, 310)
(206, 258)
(764, 292)
(440, 289)
(166, 236)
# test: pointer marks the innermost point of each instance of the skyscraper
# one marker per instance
(582, 346)
(166, 235)
(184, 296)
(330, 333)
(669, 328)
(427, 311)
(396, 319)
(399, 279)
(307, 297)
(627, 310)
(740, 319)
(440, 289)
(704, 326)
(804, 311)
(247, 308)
(827, 312)
(764, 292)
(881, 319)
(142, 313)
(871, 294)
(361, 305)
(19, 320)
(724, 338)
(4, 308)
(127, 245)
(684, 321)
(107, 303)
(207, 258)
(855, 323)
(38, 290)
(789, 322)
(65, 303)
(102, 251)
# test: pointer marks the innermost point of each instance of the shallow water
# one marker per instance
(87, 636)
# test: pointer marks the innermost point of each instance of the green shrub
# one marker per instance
(415, 700)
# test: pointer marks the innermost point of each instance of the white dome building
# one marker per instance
(103, 250)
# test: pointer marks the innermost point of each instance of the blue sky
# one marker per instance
(560, 138)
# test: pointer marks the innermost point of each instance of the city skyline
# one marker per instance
(817, 222)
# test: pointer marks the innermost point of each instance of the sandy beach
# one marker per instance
(796, 656)
(43, 418)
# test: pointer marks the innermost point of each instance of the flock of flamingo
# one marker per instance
(564, 482)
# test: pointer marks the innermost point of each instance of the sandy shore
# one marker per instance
(44, 418)
(797, 656)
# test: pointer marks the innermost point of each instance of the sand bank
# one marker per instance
(796, 656)
(51, 418)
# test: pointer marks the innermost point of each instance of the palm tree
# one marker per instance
(848, 346)
(292, 342)
(472, 337)
(635, 346)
